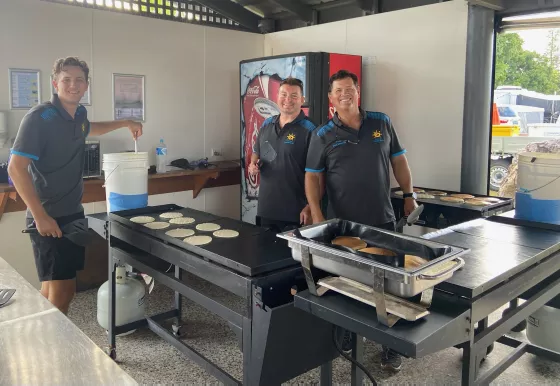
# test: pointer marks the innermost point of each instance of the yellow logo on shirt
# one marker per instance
(83, 127)
(290, 138)
(377, 136)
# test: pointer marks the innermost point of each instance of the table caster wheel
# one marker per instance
(112, 353)
(518, 328)
(178, 331)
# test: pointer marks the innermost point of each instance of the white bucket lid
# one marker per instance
(542, 158)
(126, 156)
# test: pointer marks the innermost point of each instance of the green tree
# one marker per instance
(528, 69)
(552, 47)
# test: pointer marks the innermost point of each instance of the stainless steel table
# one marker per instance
(40, 345)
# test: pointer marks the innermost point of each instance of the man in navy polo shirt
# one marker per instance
(46, 167)
(282, 202)
(353, 151)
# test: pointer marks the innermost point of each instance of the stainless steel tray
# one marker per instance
(443, 260)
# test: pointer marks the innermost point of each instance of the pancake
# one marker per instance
(493, 200)
(171, 215)
(463, 196)
(226, 233)
(411, 261)
(436, 193)
(399, 192)
(198, 240)
(378, 251)
(180, 233)
(208, 227)
(418, 190)
(157, 225)
(351, 242)
(182, 220)
(142, 219)
(452, 199)
(424, 195)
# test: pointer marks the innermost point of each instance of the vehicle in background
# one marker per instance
(508, 116)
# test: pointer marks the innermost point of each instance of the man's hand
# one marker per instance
(409, 205)
(135, 128)
(305, 216)
(253, 168)
(318, 218)
(48, 227)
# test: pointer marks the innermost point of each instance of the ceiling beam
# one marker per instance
(302, 11)
(235, 12)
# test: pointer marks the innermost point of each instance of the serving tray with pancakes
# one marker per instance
(455, 199)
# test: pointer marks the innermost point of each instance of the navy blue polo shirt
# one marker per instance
(282, 181)
(54, 141)
(356, 164)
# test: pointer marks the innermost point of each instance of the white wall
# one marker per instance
(418, 78)
(192, 90)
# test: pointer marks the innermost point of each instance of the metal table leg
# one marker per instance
(357, 375)
(326, 374)
(176, 327)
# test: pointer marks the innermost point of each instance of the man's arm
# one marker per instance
(101, 128)
(314, 192)
(18, 171)
(402, 174)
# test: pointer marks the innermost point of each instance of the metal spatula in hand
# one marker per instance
(76, 231)
(268, 154)
(6, 295)
(411, 219)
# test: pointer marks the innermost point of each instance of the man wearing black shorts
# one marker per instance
(46, 167)
(354, 151)
(282, 204)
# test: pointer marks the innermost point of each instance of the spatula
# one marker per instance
(6, 295)
(268, 154)
(76, 231)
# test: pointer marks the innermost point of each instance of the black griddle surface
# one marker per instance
(255, 251)
(437, 201)
(495, 254)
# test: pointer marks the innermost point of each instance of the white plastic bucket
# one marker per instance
(543, 326)
(126, 180)
(538, 187)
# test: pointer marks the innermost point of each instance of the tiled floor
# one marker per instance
(150, 360)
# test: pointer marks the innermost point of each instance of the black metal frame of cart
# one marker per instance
(441, 214)
(268, 329)
(461, 306)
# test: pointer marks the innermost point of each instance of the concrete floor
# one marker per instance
(149, 360)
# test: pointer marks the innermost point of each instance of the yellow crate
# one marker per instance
(505, 131)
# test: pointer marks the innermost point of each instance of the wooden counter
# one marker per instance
(223, 173)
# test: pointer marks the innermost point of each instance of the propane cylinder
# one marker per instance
(130, 294)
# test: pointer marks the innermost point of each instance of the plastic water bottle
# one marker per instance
(161, 157)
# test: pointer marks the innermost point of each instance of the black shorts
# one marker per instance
(57, 258)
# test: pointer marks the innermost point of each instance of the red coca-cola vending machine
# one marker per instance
(260, 81)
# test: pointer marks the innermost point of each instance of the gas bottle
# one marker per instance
(130, 294)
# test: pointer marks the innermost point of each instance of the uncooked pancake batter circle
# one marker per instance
(157, 225)
(182, 220)
(208, 227)
(142, 219)
(198, 240)
(171, 215)
(180, 233)
(226, 233)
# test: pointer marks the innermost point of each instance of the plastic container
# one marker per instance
(161, 157)
(543, 326)
(129, 301)
(538, 187)
(126, 180)
(505, 131)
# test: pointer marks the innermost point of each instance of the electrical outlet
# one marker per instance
(216, 152)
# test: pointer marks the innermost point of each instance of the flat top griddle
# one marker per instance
(497, 252)
(437, 201)
(255, 251)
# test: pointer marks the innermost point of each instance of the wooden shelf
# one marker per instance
(223, 173)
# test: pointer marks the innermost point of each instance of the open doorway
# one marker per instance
(526, 105)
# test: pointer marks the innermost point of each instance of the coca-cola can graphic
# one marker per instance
(259, 103)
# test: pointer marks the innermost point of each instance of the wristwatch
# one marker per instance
(410, 195)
